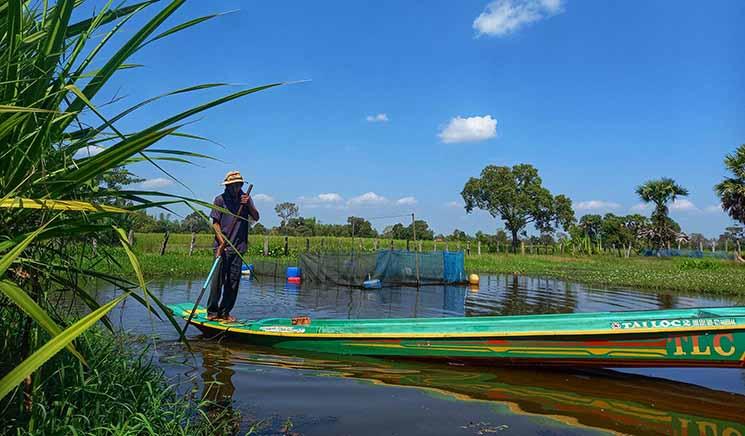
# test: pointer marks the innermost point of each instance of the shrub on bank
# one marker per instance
(120, 392)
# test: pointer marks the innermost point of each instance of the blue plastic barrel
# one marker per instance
(293, 271)
(372, 284)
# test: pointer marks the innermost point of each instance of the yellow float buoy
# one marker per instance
(473, 279)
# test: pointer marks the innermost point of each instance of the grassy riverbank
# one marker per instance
(707, 276)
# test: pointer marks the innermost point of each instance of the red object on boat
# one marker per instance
(294, 280)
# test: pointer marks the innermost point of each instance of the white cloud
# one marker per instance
(263, 197)
(158, 182)
(454, 204)
(502, 17)
(596, 205)
(329, 199)
(469, 129)
(379, 118)
(683, 204)
(88, 151)
(714, 208)
(368, 198)
(406, 201)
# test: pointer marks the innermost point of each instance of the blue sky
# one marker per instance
(405, 101)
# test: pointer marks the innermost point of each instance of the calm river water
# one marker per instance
(316, 394)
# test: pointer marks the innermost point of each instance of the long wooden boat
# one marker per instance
(712, 337)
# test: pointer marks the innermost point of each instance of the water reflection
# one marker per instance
(236, 376)
(600, 399)
(217, 378)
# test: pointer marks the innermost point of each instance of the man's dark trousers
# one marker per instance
(228, 279)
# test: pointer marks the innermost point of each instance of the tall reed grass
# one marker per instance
(54, 202)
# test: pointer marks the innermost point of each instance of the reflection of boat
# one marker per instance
(603, 399)
(682, 337)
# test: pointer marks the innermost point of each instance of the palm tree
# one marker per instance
(732, 189)
(661, 192)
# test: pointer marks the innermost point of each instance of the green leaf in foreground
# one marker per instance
(28, 305)
(48, 350)
(141, 280)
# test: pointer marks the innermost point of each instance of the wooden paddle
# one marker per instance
(217, 261)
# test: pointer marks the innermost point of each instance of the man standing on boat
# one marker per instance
(229, 227)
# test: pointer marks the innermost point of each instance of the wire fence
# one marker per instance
(276, 246)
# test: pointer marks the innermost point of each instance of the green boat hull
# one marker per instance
(688, 337)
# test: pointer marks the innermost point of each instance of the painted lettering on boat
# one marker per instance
(673, 323)
(694, 427)
(282, 329)
(720, 345)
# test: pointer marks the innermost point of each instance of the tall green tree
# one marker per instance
(660, 192)
(196, 222)
(516, 195)
(360, 227)
(591, 226)
(732, 189)
(285, 211)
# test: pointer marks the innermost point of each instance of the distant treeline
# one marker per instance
(592, 233)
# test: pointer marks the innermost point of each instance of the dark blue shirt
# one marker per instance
(239, 237)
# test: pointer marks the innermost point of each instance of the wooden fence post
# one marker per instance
(131, 238)
(478, 248)
(468, 248)
(522, 248)
(165, 242)
(391, 244)
(434, 245)
(407, 245)
(287, 248)
(420, 246)
(700, 245)
(192, 243)
(266, 245)
(307, 245)
(447, 246)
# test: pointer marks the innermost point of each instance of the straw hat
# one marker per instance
(233, 177)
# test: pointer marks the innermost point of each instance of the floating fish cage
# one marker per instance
(384, 268)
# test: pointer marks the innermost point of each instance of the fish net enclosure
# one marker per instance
(390, 267)
(272, 267)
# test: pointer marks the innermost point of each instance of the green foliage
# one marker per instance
(700, 264)
(52, 72)
(516, 195)
(732, 189)
(361, 227)
(285, 211)
(196, 222)
(661, 192)
(722, 277)
(121, 393)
